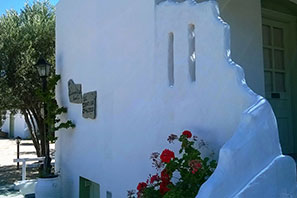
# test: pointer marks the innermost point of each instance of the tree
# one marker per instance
(24, 38)
(2, 118)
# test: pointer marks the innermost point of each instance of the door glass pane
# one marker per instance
(280, 82)
(267, 58)
(266, 35)
(268, 81)
(279, 59)
(278, 37)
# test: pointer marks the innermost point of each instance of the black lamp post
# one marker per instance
(18, 141)
(43, 68)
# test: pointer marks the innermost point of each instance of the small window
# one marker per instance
(192, 53)
(171, 59)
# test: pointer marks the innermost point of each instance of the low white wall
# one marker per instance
(20, 127)
(5, 126)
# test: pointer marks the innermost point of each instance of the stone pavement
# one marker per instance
(8, 169)
(7, 191)
(8, 151)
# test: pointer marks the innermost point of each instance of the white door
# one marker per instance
(277, 82)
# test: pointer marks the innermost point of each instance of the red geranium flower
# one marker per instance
(165, 177)
(163, 188)
(187, 133)
(155, 178)
(167, 155)
(195, 165)
(141, 186)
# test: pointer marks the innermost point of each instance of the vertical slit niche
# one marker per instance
(171, 59)
(192, 53)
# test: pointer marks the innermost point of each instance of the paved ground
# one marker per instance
(8, 169)
(8, 151)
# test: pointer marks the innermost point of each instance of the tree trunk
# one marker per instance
(40, 124)
(33, 133)
(35, 129)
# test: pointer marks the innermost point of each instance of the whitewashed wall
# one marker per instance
(20, 126)
(5, 126)
(108, 46)
(120, 49)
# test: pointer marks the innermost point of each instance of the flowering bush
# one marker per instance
(178, 177)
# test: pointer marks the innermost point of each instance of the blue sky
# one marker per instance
(16, 4)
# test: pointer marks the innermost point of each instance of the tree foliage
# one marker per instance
(24, 38)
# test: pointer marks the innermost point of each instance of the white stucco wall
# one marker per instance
(121, 51)
(98, 46)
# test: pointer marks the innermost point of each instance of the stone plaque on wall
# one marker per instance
(74, 92)
(89, 105)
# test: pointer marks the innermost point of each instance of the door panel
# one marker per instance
(277, 86)
(286, 138)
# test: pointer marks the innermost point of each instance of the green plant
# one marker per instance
(51, 121)
(179, 177)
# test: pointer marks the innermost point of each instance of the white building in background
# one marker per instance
(15, 126)
(145, 69)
